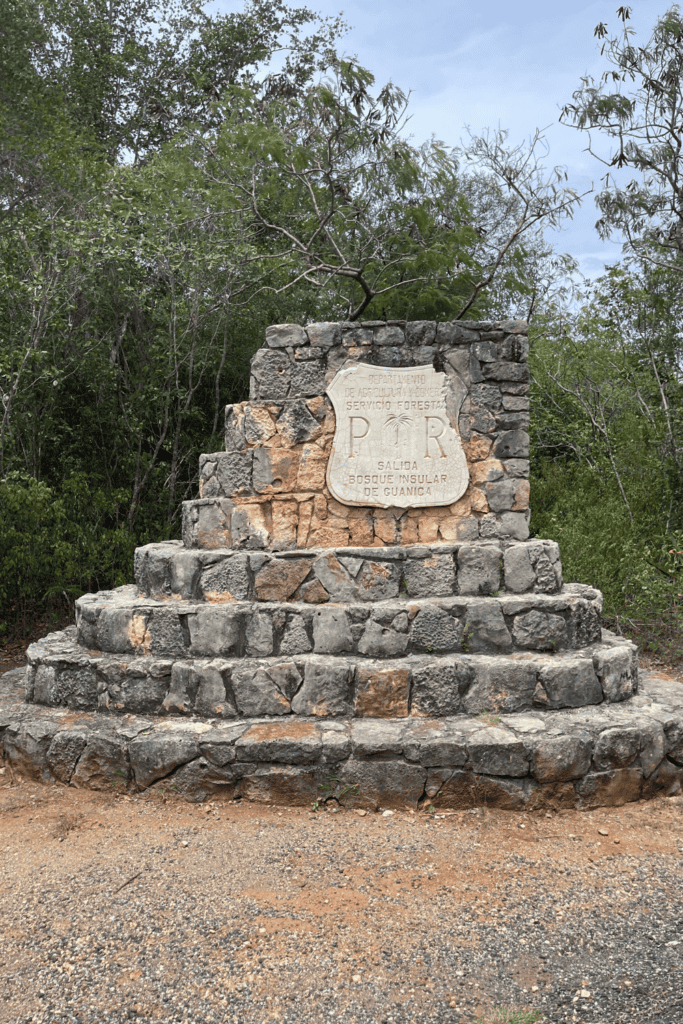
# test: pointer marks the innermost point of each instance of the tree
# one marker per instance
(638, 103)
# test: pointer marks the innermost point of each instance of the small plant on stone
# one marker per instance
(490, 719)
(511, 1016)
(329, 788)
(465, 640)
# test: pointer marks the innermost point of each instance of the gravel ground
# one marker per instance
(117, 908)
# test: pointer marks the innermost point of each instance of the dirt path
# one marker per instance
(118, 908)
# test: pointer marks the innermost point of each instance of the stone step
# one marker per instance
(604, 755)
(63, 673)
(317, 575)
(121, 622)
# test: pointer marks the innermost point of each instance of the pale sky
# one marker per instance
(489, 64)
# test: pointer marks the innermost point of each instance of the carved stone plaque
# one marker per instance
(394, 444)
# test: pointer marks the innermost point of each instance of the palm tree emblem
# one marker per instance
(395, 427)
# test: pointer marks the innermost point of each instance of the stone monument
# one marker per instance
(355, 606)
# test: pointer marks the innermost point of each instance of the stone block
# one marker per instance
(259, 635)
(512, 444)
(123, 630)
(331, 631)
(285, 336)
(539, 631)
(295, 639)
(308, 380)
(295, 423)
(324, 335)
(438, 685)
(271, 374)
(501, 685)
(156, 755)
(182, 692)
(375, 784)
(617, 747)
(226, 580)
(235, 440)
(326, 690)
(435, 629)
(494, 751)
(461, 789)
(278, 580)
(259, 423)
(213, 699)
(214, 629)
(382, 692)
(378, 581)
(207, 523)
(376, 739)
(513, 524)
(104, 763)
(255, 692)
(479, 568)
(283, 785)
(434, 743)
(519, 572)
(485, 630)
(135, 691)
(560, 758)
(614, 669)
(64, 752)
(199, 780)
(568, 683)
(335, 578)
(291, 742)
(433, 576)
(379, 642)
(233, 472)
(609, 789)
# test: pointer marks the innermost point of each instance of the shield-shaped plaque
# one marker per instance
(394, 444)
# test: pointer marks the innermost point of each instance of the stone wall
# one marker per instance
(268, 489)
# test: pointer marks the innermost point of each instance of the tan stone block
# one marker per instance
(312, 467)
(312, 593)
(521, 496)
(462, 507)
(385, 525)
(285, 522)
(428, 528)
(260, 424)
(278, 580)
(258, 516)
(304, 524)
(486, 471)
(382, 693)
(360, 527)
(330, 536)
(478, 500)
(477, 448)
(335, 508)
(448, 528)
(408, 530)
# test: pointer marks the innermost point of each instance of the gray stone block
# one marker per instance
(324, 335)
(430, 577)
(520, 575)
(271, 374)
(435, 629)
(285, 336)
(140, 693)
(295, 639)
(213, 699)
(326, 689)
(493, 751)
(227, 580)
(156, 755)
(331, 631)
(378, 642)
(614, 669)
(295, 422)
(479, 567)
(214, 629)
(103, 764)
(617, 747)
(64, 752)
(259, 635)
(514, 525)
(207, 523)
(485, 630)
(560, 758)
(539, 631)
(182, 692)
(434, 743)
(335, 578)
(167, 637)
(512, 444)
(256, 694)
(233, 472)
(378, 580)
(376, 784)
(438, 685)
(609, 789)
(501, 685)
(235, 440)
(308, 380)
(376, 739)
(568, 683)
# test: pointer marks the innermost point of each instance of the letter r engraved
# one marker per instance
(434, 428)
(355, 436)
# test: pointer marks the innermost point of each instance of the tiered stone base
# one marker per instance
(588, 757)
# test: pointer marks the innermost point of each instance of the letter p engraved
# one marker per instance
(358, 429)
(435, 427)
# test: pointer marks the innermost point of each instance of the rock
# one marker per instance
(295, 639)
(560, 758)
(382, 692)
(326, 689)
(285, 336)
(435, 629)
(374, 739)
(539, 631)
(570, 683)
(214, 629)
(331, 631)
(433, 576)
(614, 669)
(271, 374)
(156, 755)
(617, 747)
(437, 686)
(485, 629)
(256, 693)
(295, 422)
(378, 642)
(479, 568)
(335, 578)
(501, 685)
(103, 764)
(494, 751)
(259, 635)
(64, 752)
(278, 580)
(291, 742)
(227, 580)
